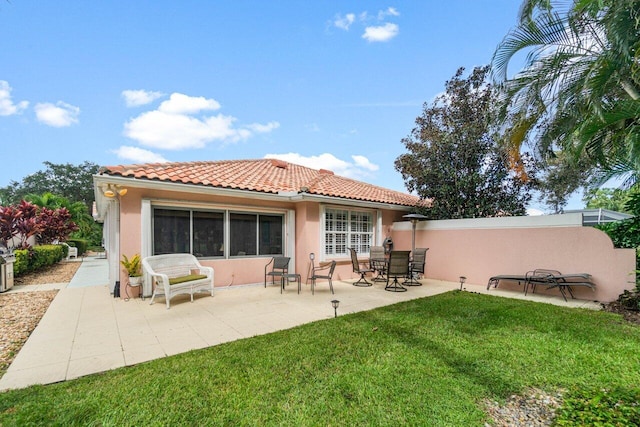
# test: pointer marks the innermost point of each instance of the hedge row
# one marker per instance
(81, 244)
(38, 257)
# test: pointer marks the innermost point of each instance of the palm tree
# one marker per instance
(87, 227)
(579, 89)
(48, 200)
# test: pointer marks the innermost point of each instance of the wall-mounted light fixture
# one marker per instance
(114, 190)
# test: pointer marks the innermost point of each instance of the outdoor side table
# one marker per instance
(285, 278)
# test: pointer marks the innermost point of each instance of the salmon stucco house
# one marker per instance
(235, 215)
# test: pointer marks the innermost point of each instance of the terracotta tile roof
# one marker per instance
(263, 175)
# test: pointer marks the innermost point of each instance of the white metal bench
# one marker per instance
(176, 274)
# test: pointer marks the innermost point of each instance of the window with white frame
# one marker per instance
(202, 232)
(345, 229)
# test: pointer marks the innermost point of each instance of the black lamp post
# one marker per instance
(335, 304)
(414, 218)
(462, 279)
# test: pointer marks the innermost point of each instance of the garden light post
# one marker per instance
(335, 304)
(462, 279)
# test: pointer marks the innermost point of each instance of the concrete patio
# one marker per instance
(86, 330)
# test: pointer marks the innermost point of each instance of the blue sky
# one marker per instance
(327, 84)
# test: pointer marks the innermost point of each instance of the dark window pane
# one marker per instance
(270, 235)
(170, 231)
(208, 234)
(242, 234)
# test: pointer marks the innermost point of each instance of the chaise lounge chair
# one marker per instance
(549, 278)
(555, 279)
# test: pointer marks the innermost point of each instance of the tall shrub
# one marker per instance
(54, 225)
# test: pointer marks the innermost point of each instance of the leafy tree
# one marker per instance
(615, 199)
(47, 200)
(453, 159)
(578, 91)
(559, 178)
(86, 227)
(75, 183)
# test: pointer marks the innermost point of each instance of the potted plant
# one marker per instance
(133, 267)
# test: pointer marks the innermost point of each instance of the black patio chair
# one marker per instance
(357, 268)
(322, 272)
(279, 267)
(398, 267)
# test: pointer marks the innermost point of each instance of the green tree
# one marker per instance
(615, 199)
(75, 183)
(453, 159)
(87, 227)
(560, 177)
(578, 91)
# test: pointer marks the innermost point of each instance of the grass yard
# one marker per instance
(425, 362)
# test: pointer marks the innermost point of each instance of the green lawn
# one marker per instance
(424, 362)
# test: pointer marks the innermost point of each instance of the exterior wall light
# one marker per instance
(114, 190)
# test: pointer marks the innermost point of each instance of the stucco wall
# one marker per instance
(479, 249)
(239, 271)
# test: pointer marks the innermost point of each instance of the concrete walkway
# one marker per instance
(86, 330)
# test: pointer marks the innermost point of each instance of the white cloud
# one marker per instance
(135, 98)
(59, 115)
(391, 11)
(364, 163)
(183, 104)
(7, 107)
(175, 126)
(138, 155)
(344, 22)
(258, 128)
(381, 33)
(159, 129)
(361, 167)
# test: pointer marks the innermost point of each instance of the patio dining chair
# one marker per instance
(378, 263)
(416, 267)
(357, 268)
(323, 272)
(279, 267)
(398, 267)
